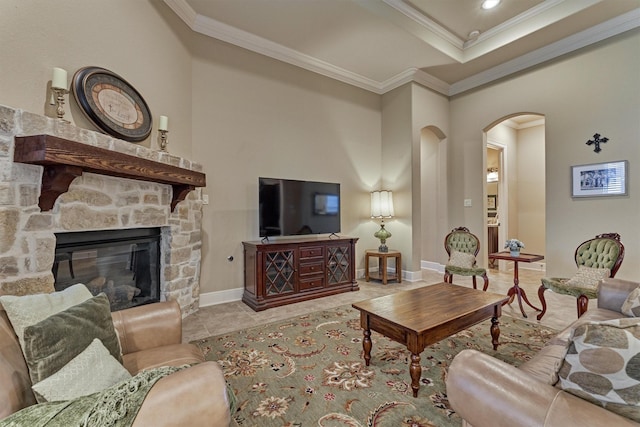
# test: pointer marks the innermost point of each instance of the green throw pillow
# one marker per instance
(602, 365)
(52, 343)
(91, 371)
(28, 310)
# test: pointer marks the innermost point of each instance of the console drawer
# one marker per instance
(311, 268)
(311, 283)
(311, 252)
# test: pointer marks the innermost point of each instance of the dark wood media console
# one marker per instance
(288, 271)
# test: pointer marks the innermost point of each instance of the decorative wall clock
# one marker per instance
(112, 104)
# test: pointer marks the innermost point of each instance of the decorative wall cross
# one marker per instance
(597, 141)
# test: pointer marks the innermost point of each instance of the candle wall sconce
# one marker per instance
(164, 139)
(163, 127)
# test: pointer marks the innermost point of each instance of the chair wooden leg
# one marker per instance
(473, 279)
(447, 277)
(541, 290)
(486, 282)
(583, 304)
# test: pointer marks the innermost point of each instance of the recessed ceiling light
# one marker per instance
(490, 4)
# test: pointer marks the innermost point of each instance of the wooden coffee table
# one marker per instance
(420, 317)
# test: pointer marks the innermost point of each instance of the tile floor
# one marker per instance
(222, 318)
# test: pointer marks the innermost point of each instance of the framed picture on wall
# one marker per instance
(599, 179)
(492, 202)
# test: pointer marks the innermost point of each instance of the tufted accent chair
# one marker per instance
(462, 240)
(603, 251)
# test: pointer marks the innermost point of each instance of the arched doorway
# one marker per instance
(516, 197)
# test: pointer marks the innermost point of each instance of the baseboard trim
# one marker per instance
(220, 297)
(430, 265)
(409, 276)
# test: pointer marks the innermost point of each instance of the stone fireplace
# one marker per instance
(93, 201)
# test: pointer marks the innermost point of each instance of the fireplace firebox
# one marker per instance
(124, 264)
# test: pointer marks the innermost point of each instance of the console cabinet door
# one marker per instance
(339, 264)
(279, 272)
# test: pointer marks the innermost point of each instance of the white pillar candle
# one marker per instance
(164, 123)
(59, 80)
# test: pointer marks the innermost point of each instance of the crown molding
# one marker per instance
(411, 12)
(221, 31)
(597, 33)
(415, 75)
(413, 20)
(183, 10)
(529, 21)
(519, 126)
(213, 28)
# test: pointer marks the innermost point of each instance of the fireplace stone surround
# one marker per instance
(92, 202)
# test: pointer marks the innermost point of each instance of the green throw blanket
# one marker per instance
(116, 406)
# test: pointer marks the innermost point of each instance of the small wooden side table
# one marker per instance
(516, 290)
(382, 273)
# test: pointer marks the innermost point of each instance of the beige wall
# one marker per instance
(254, 116)
(142, 41)
(396, 168)
(594, 90)
(414, 127)
(431, 166)
(531, 185)
(243, 115)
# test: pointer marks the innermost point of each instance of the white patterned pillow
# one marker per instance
(588, 277)
(93, 370)
(461, 259)
(631, 306)
(28, 310)
(602, 365)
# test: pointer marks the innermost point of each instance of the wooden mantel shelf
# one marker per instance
(64, 160)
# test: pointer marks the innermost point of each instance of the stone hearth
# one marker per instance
(93, 202)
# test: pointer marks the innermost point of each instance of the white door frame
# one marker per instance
(503, 196)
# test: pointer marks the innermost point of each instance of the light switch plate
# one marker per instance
(467, 203)
(205, 199)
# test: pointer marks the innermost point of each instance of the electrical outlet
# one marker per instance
(467, 203)
(205, 199)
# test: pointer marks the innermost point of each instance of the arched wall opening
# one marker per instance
(433, 206)
(515, 203)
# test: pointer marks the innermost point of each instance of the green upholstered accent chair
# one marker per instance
(603, 251)
(461, 240)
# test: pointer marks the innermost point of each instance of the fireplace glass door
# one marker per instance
(124, 264)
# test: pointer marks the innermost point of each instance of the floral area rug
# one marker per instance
(310, 371)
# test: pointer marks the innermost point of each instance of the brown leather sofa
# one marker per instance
(485, 391)
(150, 336)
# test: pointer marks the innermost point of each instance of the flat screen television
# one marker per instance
(289, 207)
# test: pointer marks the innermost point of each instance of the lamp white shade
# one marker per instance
(382, 204)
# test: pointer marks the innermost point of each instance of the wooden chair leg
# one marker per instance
(583, 304)
(473, 279)
(541, 290)
(486, 282)
(447, 276)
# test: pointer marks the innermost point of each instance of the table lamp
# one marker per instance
(382, 207)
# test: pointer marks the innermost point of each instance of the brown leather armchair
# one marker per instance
(150, 336)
